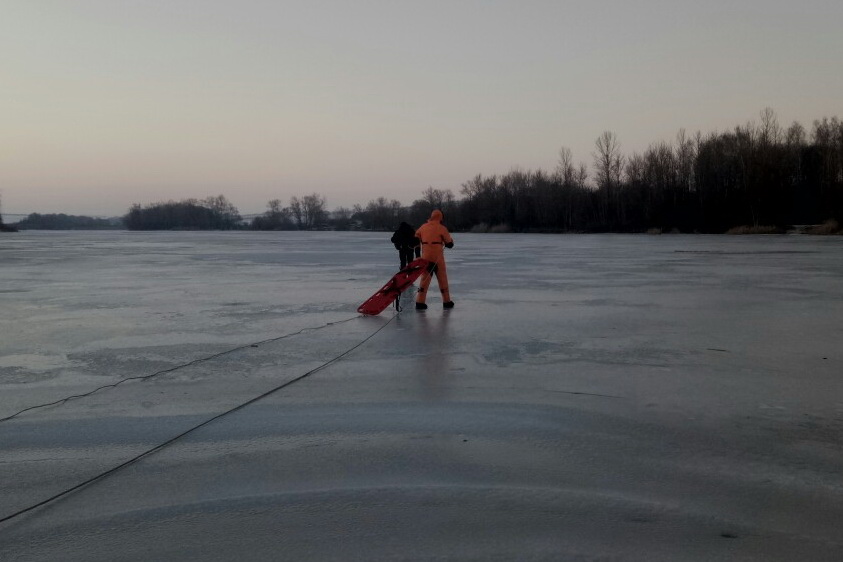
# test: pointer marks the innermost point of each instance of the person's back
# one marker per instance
(434, 239)
(434, 236)
(405, 241)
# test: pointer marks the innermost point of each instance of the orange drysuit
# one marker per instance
(434, 239)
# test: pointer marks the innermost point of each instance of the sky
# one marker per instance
(106, 103)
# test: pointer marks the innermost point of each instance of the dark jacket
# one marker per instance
(405, 237)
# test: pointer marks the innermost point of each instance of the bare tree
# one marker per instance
(341, 218)
(313, 210)
(382, 214)
(227, 213)
(437, 198)
(582, 175)
(795, 135)
(276, 216)
(565, 167)
(770, 131)
(636, 168)
(273, 207)
(221, 205)
(685, 160)
(297, 211)
(608, 162)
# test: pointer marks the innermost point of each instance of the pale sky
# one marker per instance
(105, 103)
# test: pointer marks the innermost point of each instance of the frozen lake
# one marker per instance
(590, 397)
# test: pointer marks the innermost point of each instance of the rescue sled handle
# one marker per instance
(393, 288)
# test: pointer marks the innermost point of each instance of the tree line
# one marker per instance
(760, 175)
(757, 175)
(309, 213)
(61, 221)
(211, 213)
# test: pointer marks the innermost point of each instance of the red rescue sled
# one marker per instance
(394, 287)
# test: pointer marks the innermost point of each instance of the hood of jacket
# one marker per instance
(435, 216)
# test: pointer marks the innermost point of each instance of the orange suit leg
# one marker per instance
(424, 284)
(441, 280)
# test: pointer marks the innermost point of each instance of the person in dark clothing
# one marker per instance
(405, 241)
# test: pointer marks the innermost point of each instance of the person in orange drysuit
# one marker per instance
(434, 239)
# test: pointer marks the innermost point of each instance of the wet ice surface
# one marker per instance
(590, 397)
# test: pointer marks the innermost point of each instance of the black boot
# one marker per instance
(449, 304)
(421, 306)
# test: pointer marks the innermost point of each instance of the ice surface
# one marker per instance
(590, 397)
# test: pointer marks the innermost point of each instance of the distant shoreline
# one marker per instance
(807, 230)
